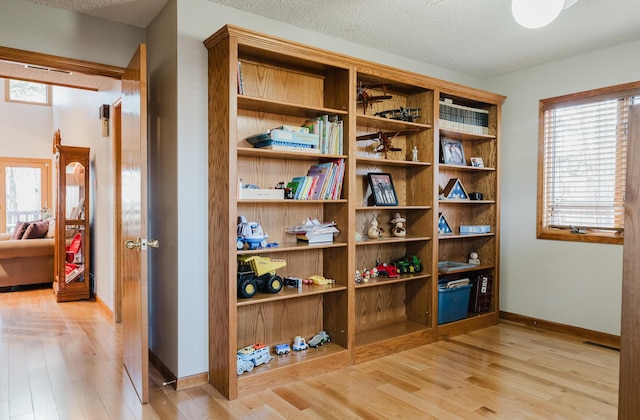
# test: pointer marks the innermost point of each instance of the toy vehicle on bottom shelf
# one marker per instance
(281, 349)
(299, 343)
(243, 366)
(256, 355)
(258, 273)
(320, 339)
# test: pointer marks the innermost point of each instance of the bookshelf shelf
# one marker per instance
(277, 154)
(250, 103)
(383, 281)
(292, 247)
(463, 135)
(371, 122)
(289, 293)
(284, 83)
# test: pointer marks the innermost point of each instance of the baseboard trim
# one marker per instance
(170, 378)
(609, 340)
(103, 307)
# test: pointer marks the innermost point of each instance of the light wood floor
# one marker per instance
(63, 361)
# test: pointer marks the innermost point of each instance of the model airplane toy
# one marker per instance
(367, 100)
(384, 140)
(400, 114)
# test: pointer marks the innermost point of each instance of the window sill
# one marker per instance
(593, 237)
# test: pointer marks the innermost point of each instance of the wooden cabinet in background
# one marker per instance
(72, 253)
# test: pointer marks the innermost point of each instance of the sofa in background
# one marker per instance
(25, 261)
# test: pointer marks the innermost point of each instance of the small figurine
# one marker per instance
(358, 277)
(398, 229)
(473, 258)
(374, 231)
(414, 154)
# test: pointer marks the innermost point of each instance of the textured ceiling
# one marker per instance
(478, 38)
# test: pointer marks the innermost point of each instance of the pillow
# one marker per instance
(36, 230)
(52, 228)
(19, 230)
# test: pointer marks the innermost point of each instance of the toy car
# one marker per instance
(299, 344)
(258, 273)
(390, 271)
(250, 233)
(408, 264)
(251, 356)
(320, 339)
(321, 280)
(282, 349)
(243, 366)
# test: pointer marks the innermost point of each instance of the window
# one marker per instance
(27, 92)
(25, 185)
(582, 164)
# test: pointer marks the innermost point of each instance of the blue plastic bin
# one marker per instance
(453, 303)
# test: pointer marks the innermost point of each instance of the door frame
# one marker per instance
(93, 69)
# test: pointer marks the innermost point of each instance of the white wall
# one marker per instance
(566, 282)
(25, 130)
(166, 307)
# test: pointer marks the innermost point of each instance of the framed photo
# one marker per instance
(452, 152)
(382, 190)
(477, 162)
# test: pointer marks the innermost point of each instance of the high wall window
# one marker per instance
(27, 92)
(582, 164)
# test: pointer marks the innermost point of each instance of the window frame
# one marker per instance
(7, 92)
(46, 170)
(562, 234)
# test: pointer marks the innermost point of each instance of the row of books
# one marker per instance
(463, 118)
(330, 131)
(322, 182)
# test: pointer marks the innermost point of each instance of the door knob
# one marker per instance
(153, 243)
(133, 244)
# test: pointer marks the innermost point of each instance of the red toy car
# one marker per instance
(390, 271)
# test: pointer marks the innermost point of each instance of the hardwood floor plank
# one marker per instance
(64, 361)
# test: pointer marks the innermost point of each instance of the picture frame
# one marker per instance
(382, 189)
(452, 152)
(477, 162)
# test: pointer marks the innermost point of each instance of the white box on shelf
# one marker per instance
(261, 194)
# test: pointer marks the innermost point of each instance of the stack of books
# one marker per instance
(287, 138)
(463, 118)
(322, 182)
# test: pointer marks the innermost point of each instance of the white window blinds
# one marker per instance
(584, 163)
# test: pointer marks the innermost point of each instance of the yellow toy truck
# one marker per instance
(258, 273)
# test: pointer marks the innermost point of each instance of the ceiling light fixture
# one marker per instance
(538, 13)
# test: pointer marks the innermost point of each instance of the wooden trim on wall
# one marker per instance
(104, 307)
(170, 378)
(597, 337)
(60, 63)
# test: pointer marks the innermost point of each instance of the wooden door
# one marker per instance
(133, 174)
(628, 402)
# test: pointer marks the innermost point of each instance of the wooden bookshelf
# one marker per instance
(286, 83)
